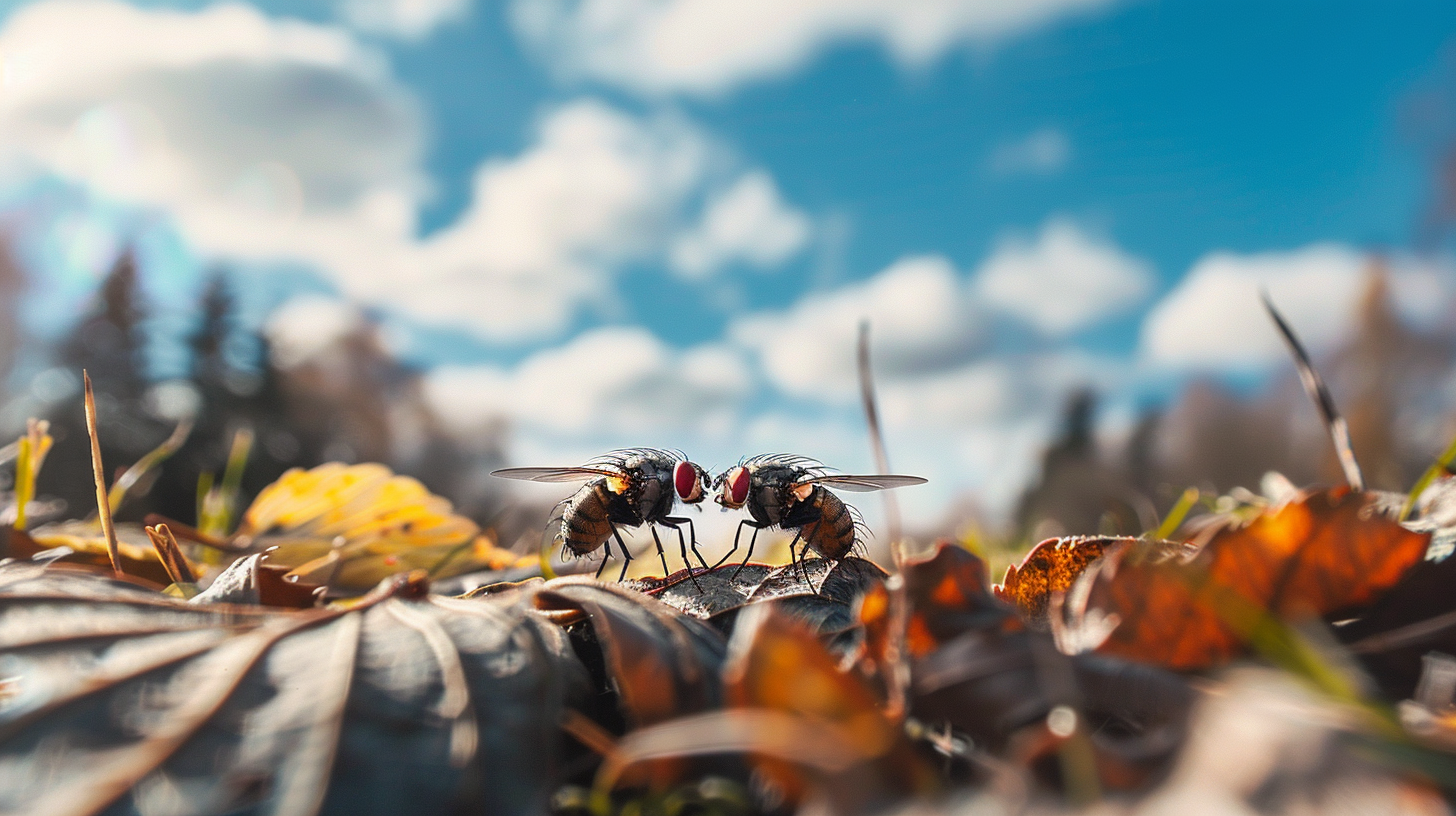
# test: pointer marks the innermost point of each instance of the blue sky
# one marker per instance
(623, 222)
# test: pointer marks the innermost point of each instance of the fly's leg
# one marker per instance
(736, 533)
(660, 554)
(626, 554)
(606, 556)
(807, 539)
(798, 535)
(675, 522)
(751, 541)
(692, 538)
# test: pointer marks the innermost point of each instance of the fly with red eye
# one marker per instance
(625, 488)
(789, 492)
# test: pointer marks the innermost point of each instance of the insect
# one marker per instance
(629, 488)
(788, 491)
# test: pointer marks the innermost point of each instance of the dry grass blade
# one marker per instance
(585, 731)
(877, 440)
(144, 465)
(31, 451)
(1441, 465)
(1315, 387)
(807, 742)
(897, 678)
(171, 554)
(103, 502)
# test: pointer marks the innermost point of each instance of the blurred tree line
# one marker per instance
(350, 401)
(1393, 384)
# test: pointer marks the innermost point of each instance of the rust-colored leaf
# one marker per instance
(948, 596)
(1319, 554)
(777, 663)
(662, 664)
(1051, 566)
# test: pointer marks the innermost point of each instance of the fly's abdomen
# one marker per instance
(832, 535)
(584, 522)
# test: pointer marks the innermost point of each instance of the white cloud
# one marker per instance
(750, 222)
(307, 325)
(214, 114)
(921, 320)
(279, 140)
(547, 228)
(620, 383)
(1214, 319)
(406, 19)
(1064, 280)
(712, 46)
(1041, 152)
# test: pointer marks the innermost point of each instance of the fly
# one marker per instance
(627, 488)
(789, 492)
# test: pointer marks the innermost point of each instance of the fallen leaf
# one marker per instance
(1051, 566)
(124, 700)
(1321, 554)
(661, 663)
(777, 663)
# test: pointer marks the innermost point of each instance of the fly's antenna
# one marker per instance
(1338, 428)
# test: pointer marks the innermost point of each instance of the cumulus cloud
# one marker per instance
(1039, 153)
(619, 382)
(215, 115)
(547, 228)
(406, 19)
(1214, 320)
(922, 319)
(1064, 280)
(279, 140)
(712, 46)
(747, 222)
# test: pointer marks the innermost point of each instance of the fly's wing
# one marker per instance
(566, 474)
(864, 484)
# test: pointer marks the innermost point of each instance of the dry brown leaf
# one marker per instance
(779, 664)
(1051, 566)
(1320, 554)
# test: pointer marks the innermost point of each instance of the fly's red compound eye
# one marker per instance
(687, 483)
(735, 489)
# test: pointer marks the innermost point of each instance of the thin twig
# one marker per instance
(1315, 388)
(103, 506)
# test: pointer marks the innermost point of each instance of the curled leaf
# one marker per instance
(662, 664)
(126, 701)
(1323, 553)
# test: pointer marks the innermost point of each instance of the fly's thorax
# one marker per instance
(654, 496)
(772, 492)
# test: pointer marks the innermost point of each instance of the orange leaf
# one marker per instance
(1051, 566)
(1319, 554)
(777, 663)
